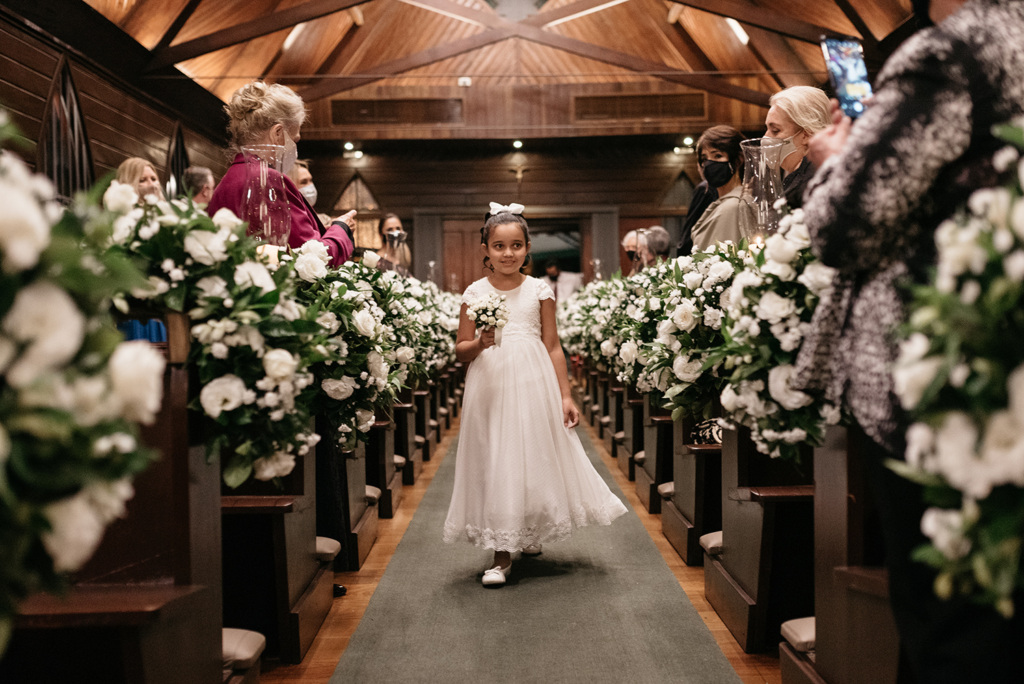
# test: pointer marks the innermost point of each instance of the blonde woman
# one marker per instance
(796, 114)
(141, 175)
(271, 114)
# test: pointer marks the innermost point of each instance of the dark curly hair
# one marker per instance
(500, 219)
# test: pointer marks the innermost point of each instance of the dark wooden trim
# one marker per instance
(257, 504)
(248, 30)
(105, 605)
(867, 37)
(765, 18)
(179, 21)
(867, 580)
(775, 494)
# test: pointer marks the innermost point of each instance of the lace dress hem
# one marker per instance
(516, 540)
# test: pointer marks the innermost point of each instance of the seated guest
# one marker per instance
(271, 114)
(563, 283)
(197, 182)
(796, 114)
(394, 255)
(720, 158)
(141, 175)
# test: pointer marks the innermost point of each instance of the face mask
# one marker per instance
(788, 147)
(717, 173)
(291, 153)
(631, 254)
(309, 192)
(921, 8)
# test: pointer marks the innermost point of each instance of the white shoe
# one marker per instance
(532, 550)
(496, 575)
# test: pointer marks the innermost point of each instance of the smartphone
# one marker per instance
(848, 73)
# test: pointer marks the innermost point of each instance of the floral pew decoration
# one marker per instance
(770, 307)
(633, 323)
(960, 373)
(72, 393)
(693, 292)
(256, 342)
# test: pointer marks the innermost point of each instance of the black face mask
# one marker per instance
(921, 12)
(631, 254)
(717, 173)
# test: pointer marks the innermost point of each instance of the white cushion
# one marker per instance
(442, 411)
(640, 457)
(666, 490)
(800, 634)
(399, 462)
(372, 494)
(606, 420)
(620, 437)
(712, 543)
(241, 648)
(327, 548)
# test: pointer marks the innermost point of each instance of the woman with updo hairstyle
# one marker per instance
(393, 257)
(796, 114)
(271, 114)
(141, 175)
(721, 162)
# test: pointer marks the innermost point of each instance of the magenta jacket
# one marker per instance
(305, 224)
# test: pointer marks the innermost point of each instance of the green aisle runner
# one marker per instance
(602, 607)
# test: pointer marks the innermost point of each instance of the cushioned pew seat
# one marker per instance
(712, 543)
(800, 634)
(242, 649)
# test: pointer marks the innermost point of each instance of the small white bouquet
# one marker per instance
(489, 311)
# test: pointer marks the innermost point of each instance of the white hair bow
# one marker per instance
(511, 208)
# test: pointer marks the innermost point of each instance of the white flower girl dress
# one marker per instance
(521, 477)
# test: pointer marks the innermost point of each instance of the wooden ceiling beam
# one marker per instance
(866, 36)
(760, 17)
(240, 33)
(459, 12)
(573, 10)
(779, 58)
(331, 86)
(179, 22)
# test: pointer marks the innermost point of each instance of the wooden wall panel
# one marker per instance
(120, 122)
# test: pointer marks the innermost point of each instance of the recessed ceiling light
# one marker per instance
(349, 146)
(677, 150)
(517, 144)
(358, 154)
(687, 141)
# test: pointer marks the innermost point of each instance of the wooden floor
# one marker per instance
(346, 612)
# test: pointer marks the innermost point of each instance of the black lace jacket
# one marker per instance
(920, 151)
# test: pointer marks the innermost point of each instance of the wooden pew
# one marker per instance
(342, 511)
(591, 407)
(855, 636)
(380, 467)
(764, 572)
(444, 400)
(434, 403)
(273, 582)
(146, 608)
(406, 444)
(695, 507)
(614, 434)
(601, 406)
(424, 431)
(656, 468)
(632, 431)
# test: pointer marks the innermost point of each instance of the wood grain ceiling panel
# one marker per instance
(723, 48)
(312, 46)
(882, 16)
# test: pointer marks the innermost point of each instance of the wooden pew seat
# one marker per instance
(242, 649)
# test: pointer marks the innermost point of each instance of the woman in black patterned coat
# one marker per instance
(883, 187)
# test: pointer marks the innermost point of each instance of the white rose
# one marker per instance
(693, 280)
(213, 286)
(206, 247)
(247, 336)
(329, 322)
(687, 370)
(730, 400)
(628, 353)
(289, 309)
(78, 522)
(279, 364)
(1017, 214)
(910, 380)
(371, 259)
(798, 234)
(785, 272)
(425, 317)
(683, 316)
(608, 348)
(774, 308)
(317, 249)
(269, 467)
(713, 318)
(254, 274)
(120, 198)
(405, 355)
(1013, 263)
(310, 267)
(817, 277)
(137, 378)
(778, 248)
(24, 230)
(339, 389)
(946, 530)
(377, 367)
(226, 393)
(44, 316)
(364, 322)
(779, 379)
(718, 272)
(365, 419)
(225, 219)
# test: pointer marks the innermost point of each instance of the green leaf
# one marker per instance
(237, 471)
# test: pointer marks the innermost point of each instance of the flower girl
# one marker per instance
(521, 475)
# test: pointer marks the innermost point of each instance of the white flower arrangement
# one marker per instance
(489, 311)
(961, 375)
(71, 392)
(771, 303)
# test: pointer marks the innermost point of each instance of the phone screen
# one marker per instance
(848, 74)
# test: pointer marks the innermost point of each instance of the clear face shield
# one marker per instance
(639, 253)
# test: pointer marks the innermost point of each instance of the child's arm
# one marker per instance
(549, 333)
(467, 345)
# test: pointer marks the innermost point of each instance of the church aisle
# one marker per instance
(347, 612)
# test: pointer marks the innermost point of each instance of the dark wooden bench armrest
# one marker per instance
(382, 424)
(662, 419)
(864, 579)
(617, 390)
(107, 605)
(636, 402)
(250, 505)
(404, 407)
(705, 449)
(421, 393)
(792, 493)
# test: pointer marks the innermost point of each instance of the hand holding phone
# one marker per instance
(844, 59)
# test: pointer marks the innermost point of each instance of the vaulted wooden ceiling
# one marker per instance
(527, 65)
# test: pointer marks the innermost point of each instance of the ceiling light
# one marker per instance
(677, 150)
(687, 141)
(738, 30)
(358, 154)
(290, 40)
(517, 144)
(584, 13)
(349, 146)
